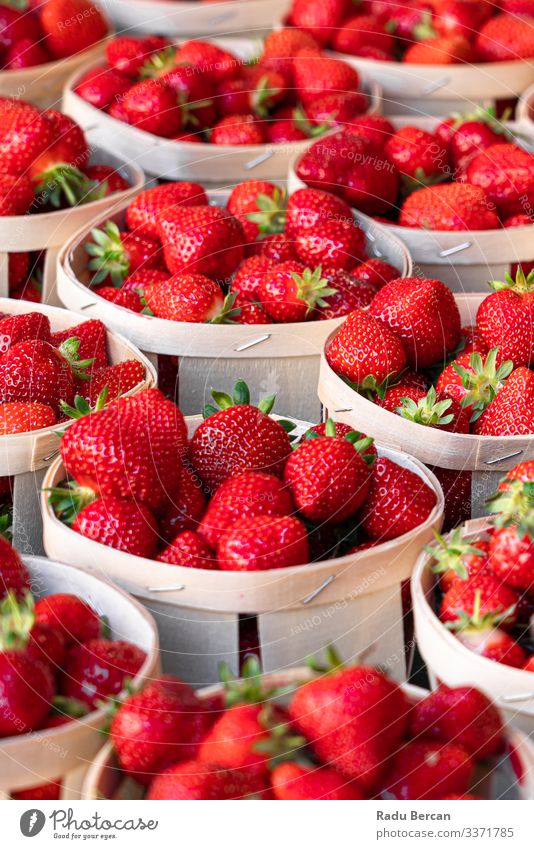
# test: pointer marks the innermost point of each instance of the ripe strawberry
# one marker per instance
(435, 409)
(506, 173)
(476, 598)
(13, 574)
(460, 715)
(330, 476)
(257, 91)
(251, 313)
(505, 38)
(471, 135)
(209, 57)
(16, 194)
(101, 87)
(281, 46)
(473, 341)
(92, 336)
(529, 664)
(195, 780)
(20, 417)
(35, 371)
(318, 18)
(99, 669)
(40, 792)
(313, 208)
(284, 130)
(152, 106)
(188, 549)
(117, 379)
(115, 254)
(511, 413)
(187, 508)
(334, 244)
(127, 54)
(202, 240)
(195, 93)
(424, 316)
(443, 50)
(188, 297)
(454, 206)
(399, 501)
(290, 291)
(332, 110)
(247, 280)
(473, 381)
(278, 248)
(69, 614)
(25, 133)
(106, 178)
(458, 17)
(256, 543)
(505, 319)
(354, 719)
(365, 351)
(458, 560)
(18, 273)
(259, 207)
(241, 129)
(124, 525)
(418, 155)
(395, 395)
(26, 692)
(511, 556)
(479, 633)
(363, 31)
(316, 74)
(241, 496)
(49, 645)
(350, 294)
(424, 769)
(293, 782)
(374, 128)
(15, 26)
(524, 471)
(143, 209)
(375, 271)
(87, 25)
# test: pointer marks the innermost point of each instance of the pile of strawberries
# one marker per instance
(200, 92)
(44, 373)
(351, 733)
(421, 32)
(47, 30)
(468, 174)
(262, 259)
(236, 496)
(487, 582)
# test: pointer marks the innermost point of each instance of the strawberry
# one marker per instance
(23, 327)
(505, 38)
(375, 271)
(57, 172)
(435, 409)
(26, 692)
(101, 87)
(333, 110)
(425, 769)
(360, 31)
(49, 645)
(14, 577)
(292, 782)
(460, 715)
(458, 17)
(474, 382)
(195, 780)
(202, 240)
(280, 48)
(187, 297)
(418, 155)
(454, 206)
(319, 18)
(511, 556)
(283, 131)
(473, 341)
(257, 91)
(40, 792)
(334, 244)
(373, 128)
(247, 280)
(312, 208)
(106, 177)
(152, 106)
(524, 471)
(424, 316)
(472, 134)
(505, 319)
(120, 524)
(144, 278)
(92, 336)
(195, 93)
(506, 173)
(316, 74)
(365, 351)
(479, 633)
(457, 561)
(443, 50)
(18, 273)
(25, 133)
(398, 501)
(251, 313)
(87, 25)
(290, 291)
(240, 129)
(73, 617)
(16, 195)
(20, 417)
(529, 664)
(131, 449)
(99, 669)
(117, 254)
(241, 496)
(353, 719)
(187, 508)
(259, 207)
(208, 57)
(117, 379)
(350, 294)
(511, 413)
(256, 543)
(277, 247)
(127, 54)
(395, 396)
(330, 476)
(14, 26)
(143, 209)
(476, 598)
(188, 549)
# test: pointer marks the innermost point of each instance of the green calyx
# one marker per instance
(313, 131)
(332, 662)
(17, 618)
(522, 285)
(109, 257)
(6, 530)
(69, 351)
(62, 183)
(158, 64)
(427, 411)
(82, 407)
(69, 499)
(423, 31)
(514, 507)
(420, 179)
(282, 744)
(312, 287)
(483, 381)
(449, 555)
(361, 443)
(249, 688)
(477, 621)
(74, 708)
(263, 96)
(241, 395)
(228, 312)
(271, 215)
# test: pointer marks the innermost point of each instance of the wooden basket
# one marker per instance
(105, 780)
(175, 160)
(354, 600)
(49, 230)
(464, 260)
(187, 18)
(452, 663)
(486, 456)
(524, 112)
(272, 357)
(25, 455)
(41, 756)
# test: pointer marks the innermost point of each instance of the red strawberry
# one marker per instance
(350, 294)
(202, 240)
(263, 542)
(424, 769)
(457, 560)
(333, 110)
(435, 409)
(479, 633)
(329, 477)
(363, 31)
(20, 417)
(418, 155)
(26, 692)
(511, 413)
(290, 291)
(238, 130)
(92, 336)
(130, 300)
(16, 195)
(399, 501)
(106, 177)
(25, 133)
(278, 248)
(251, 313)
(87, 25)
(365, 351)
(423, 314)
(144, 278)
(312, 208)
(280, 48)
(505, 38)
(152, 106)
(102, 86)
(374, 128)
(478, 597)
(196, 780)
(49, 645)
(469, 136)
(472, 381)
(40, 792)
(241, 496)
(208, 57)
(506, 173)
(375, 271)
(444, 50)
(143, 210)
(259, 207)
(187, 509)
(292, 782)
(18, 274)
(13, 574)
(247, 281)
(473, 341)
(22, 327)
(187, 297)
(99, 669)
(258, 90)
(131, 449)
(458, 17)
(511, 556)
(76, 619)
(15, 26)
(195, 92)
(188, 549)
(455, 206)
(35, 371)
(505, 319)
(334, 244)
(460, 715)
(120, 524)
(117, 379)
(524, 471)
(456, 486)
(127, 54)
(394, 396)
(319, 18)
(117, 254)
(316, 74)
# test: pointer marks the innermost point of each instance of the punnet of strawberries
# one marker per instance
(486, 580)
(469, 173)
(263, 258)
(350, 733)
(199, 91)
(238, 495)
(50, 376)
(420, 32)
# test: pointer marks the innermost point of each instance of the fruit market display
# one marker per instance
(34, 33)
(199, 92)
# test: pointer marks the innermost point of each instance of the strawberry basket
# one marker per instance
(178, 160)
(273, 356)
(352, 600)
(105, 780)
(451, 662)
(464, 259)
(42, 756)
(524, 111)
(26, 455)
